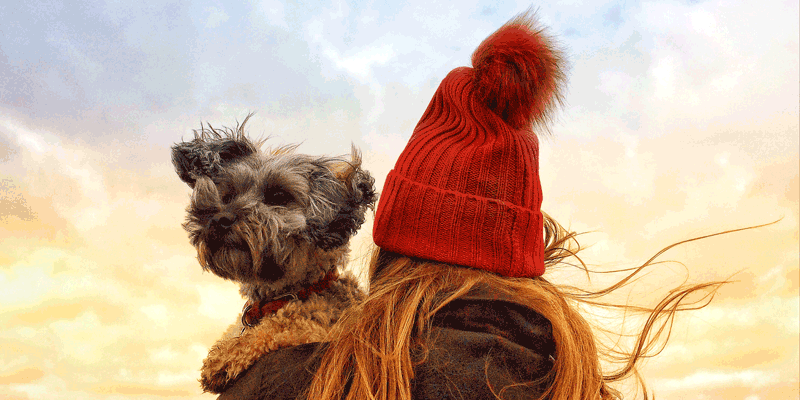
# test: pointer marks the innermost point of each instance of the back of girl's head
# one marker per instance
(465, 190)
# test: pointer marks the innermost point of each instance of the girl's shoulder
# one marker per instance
(484, 343)
(279, 375)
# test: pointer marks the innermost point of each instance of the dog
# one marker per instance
(279, 224)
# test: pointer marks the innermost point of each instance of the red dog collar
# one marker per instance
(253, 313)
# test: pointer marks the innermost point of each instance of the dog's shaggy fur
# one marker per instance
(279, 223)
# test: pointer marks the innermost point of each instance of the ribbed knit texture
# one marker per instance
(465, 190)
(468, 201)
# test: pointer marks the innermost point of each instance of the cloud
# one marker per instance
(84, 201)
(218, 301)
(27, 284)
(216, 17)
(273, 12)
(705, 379)
(13, 204)
(360, 64)
(68, 308)
(139, 390)
(26, 375)
(80, 60)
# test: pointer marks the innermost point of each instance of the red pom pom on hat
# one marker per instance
(466, 190)
(519, 73)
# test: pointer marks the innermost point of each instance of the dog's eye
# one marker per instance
(225, 193)
(277, 197)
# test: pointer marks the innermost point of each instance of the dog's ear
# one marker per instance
(359, 183)
(209, 152)
(359, 195)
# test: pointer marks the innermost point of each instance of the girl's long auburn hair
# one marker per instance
(375, 344)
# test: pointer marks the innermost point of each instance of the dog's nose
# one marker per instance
(223, 220)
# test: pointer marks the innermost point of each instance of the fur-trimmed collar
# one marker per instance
(296, 322)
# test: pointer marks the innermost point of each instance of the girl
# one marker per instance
(458, 308)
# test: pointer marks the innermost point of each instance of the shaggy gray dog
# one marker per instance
(279, 223)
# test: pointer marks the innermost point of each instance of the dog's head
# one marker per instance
(272, 220)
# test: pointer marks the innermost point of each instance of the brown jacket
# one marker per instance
(483, 343)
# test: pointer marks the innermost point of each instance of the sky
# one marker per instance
(680, 120)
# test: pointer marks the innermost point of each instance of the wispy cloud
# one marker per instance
(681, 120)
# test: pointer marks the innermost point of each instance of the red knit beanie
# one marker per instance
(465, 190)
